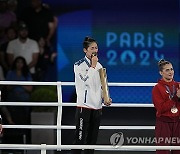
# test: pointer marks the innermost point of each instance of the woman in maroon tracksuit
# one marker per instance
(166, 99)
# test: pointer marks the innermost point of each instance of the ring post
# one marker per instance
(59, 114)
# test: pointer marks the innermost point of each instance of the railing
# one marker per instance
(59, 104)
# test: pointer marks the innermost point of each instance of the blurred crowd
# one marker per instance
(30, 35)
(27, 53)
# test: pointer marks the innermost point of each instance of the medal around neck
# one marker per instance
(105, 89)
(174, 109)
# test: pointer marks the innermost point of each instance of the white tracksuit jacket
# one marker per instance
(88, 84)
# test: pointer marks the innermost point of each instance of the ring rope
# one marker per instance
(73, 127)
(96, 147)
(71, 83)
(69, 104)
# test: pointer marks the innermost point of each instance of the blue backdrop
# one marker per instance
(133, 35)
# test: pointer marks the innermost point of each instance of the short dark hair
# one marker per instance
(87, 41)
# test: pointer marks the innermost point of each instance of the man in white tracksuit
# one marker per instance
(89, 96)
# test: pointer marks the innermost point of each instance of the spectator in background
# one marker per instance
(12, 5)
(40, 20)
(45, 60)
(3, 110)
(19, 72)
(7, 19)
(25, 47)
(19, 115)
(11, 35)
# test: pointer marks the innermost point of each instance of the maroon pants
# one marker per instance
(165, 131)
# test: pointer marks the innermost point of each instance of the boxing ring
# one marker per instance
(60, 104)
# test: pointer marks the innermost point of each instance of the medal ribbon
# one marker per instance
(171, 95)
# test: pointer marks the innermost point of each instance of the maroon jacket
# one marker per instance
(162, 100)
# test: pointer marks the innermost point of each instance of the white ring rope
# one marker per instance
(72, 83)
(58, 127)
(69, 104)
(96, 147)
(73, 127)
